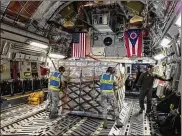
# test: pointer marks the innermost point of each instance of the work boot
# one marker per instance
(119, 124)
(141, 111)
(53, 115)
(48, 108)
(105, 124)
(147, 112)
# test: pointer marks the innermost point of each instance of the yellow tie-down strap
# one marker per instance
(75, 127)
(99, 129)
(108, 91)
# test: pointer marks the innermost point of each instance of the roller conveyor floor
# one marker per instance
(35, 121)
(15, 111)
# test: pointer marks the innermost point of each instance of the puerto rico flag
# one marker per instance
(133, 42)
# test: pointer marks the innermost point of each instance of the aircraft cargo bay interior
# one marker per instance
(90, 67)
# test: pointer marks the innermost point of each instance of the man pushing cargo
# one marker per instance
(107, 96)
(56, 83)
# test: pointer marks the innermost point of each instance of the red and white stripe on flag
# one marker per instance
(133, 42)
(79, 49)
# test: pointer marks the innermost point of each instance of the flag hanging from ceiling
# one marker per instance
(133, 42)
(79, 45)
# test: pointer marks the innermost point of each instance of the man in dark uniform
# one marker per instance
(137, 77)
(146, 83)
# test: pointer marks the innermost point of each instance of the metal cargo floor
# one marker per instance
(38, 123)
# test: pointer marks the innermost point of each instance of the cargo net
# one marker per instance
(82, 94)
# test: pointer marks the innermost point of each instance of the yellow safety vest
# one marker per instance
(54, 82)
(107, 84)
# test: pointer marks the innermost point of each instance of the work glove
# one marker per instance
(170, 79)
(173, 112)
(137, 85)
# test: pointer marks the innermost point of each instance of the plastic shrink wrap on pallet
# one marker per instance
(83, 87)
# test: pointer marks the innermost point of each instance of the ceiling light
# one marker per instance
(165, 42)
(56, 56)
(40, 45)
(178, 22)
(159, 57)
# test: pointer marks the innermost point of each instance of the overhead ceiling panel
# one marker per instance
(15, 6)
(29, 8)
(67, 11)
(21, 10)
(43, 8)
(136, 6)
(13, 9)
(45, 11)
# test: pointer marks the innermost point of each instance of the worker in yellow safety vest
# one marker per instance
(107, 96)
(55, 84)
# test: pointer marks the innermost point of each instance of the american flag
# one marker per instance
(79, 45)
(133, 42)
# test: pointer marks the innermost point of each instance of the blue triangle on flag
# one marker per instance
(133, 36)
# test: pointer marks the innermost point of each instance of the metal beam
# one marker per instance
(54, 64)
(122, 7)
(168, 26)
(8, 24)
(125, 59)
(5, 12)
(19, 12)
(24, 43)
(58, 10)
(23, 33)
(88, 19)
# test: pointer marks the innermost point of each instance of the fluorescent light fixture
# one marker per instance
(178, 21)
(165, 42)
(56, 56)
(159, 57)
(40, 45)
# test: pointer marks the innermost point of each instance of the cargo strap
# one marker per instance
(79, 95)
